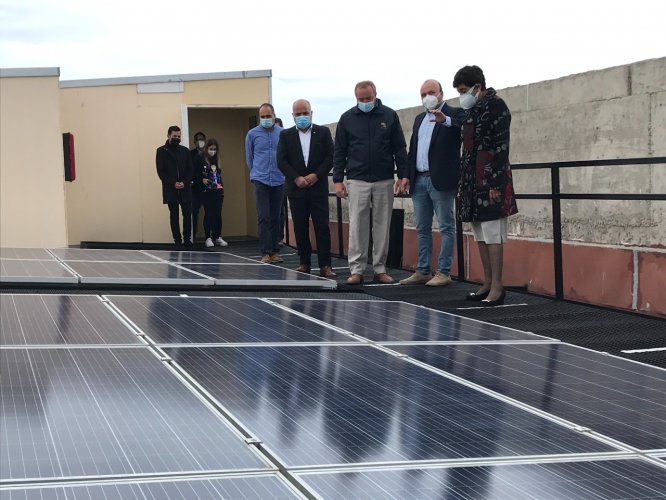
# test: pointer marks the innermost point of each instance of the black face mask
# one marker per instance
(174, 142)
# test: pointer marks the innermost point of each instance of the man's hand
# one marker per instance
(494, 195)
(180, 185)
(301, 182)
(341, 190)
(401, 186)
(311, 179)
(437, 116)
(206, 181)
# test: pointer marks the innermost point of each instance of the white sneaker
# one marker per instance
(209, 243)
(220, 242)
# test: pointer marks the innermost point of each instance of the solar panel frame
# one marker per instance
(216, 320)
(145, 273)
(61, 319)
(193, 257)
(117, 412)
(259, 275)
(35, 271)
(101, 255)
(286, 437)
(614, 417)
(15, 253)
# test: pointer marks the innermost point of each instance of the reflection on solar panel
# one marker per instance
(94, 255)
(46, 271)
(613, 396)
(329, 405)
(200, 257)
(233, 488)
(384, 321)
(60, 319)
(207, 320)
(136, 273)
(258, 274)
(83, 412)
(25, 254)
(626, 479)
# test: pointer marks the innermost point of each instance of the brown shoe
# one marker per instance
(275, 258)
(383, 278)
(265, 259)
(418, 278)
(326, 272)
(303, 268)
(440, 279)
(355, 279)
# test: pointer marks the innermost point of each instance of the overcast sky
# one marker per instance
(319, 50)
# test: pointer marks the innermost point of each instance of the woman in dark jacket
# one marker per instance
(208, 180)
(485, 193)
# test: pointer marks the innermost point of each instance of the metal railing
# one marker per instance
(556, 196)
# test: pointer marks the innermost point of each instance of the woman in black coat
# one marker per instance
(208, 182)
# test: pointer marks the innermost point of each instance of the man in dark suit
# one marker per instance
(433, 165)
(174, 167)
(305, 157)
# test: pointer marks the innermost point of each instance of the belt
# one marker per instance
(424, 174)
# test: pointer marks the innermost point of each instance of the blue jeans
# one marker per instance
(269, 200)
(428, 201)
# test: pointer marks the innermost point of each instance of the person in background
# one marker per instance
(434, 166)
(278, 122)
(208, 181)
(174, 168)
(199, 144)
(197, 190)
(260, 155)
(369, 143)
(305, 157)
(485, 193)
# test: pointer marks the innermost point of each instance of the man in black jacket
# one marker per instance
(434, 165)
(305, 157)
(369, 143)
(174, 167)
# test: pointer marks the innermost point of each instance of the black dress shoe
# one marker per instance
(497, 302)
(476, 297)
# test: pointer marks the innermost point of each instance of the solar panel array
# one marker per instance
(140, 267)
(125, 396)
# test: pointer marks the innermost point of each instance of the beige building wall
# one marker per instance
(118, 125)
(32, 193)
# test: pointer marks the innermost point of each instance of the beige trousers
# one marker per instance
(366, 198)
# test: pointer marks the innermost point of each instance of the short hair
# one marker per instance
(365, 83)
(269, 105)
(173, 128)
(199, 134)
(470, 76)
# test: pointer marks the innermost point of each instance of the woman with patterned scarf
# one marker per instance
(485, 192)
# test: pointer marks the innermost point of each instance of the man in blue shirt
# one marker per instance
(260, 154)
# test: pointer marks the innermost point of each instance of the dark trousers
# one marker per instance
(268, 199)
(186, 208)
(197, 203)
(212, 202)
(301, 211)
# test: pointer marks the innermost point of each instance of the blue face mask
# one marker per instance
(366, 107)
(266, 122)
(303, 122)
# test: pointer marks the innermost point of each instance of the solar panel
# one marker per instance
(259, 274)
(102, 255)
(384, 321)
(96, 412)
(200, 257)
(35, 271)
(233, 488)
(613, 396)
(209, 320)
(332, 405)
(59, 319)
(626, 479)
(25, 254)
(136, 273)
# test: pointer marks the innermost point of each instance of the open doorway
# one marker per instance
(229, 126)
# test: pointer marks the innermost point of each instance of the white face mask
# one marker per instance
(467, 100)
(201, 144)
(211, 153)
(430, 102)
